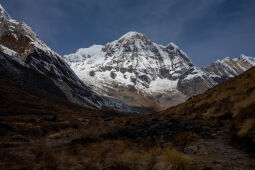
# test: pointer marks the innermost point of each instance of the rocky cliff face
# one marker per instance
(139, 72)
(32, 63)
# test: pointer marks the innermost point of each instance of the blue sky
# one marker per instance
(206, 30)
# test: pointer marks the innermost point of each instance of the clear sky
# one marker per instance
(206, 30)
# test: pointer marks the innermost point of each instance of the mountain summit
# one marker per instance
(140, 72)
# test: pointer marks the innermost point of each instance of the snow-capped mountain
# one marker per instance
(227, 68)
(31, 63)
(139, 72)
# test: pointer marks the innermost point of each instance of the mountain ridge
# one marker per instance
(230, 67)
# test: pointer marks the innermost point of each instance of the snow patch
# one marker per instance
(161, 85)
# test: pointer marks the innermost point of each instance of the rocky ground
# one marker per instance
(39, 131)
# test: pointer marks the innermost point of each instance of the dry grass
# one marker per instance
(247, 127)
(123, 154)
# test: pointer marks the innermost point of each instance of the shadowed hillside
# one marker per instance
(233, 100)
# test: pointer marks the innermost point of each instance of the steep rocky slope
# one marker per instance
(139, 72)
(33, 64)
(28, 59)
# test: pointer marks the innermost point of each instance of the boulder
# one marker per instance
(190, 149)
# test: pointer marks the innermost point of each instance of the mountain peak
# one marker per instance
(131, 34)
(243, 56)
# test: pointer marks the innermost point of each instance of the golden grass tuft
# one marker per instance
(134, 159)
(243, 104)
(173, 160)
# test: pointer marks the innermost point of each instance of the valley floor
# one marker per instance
(36, 133)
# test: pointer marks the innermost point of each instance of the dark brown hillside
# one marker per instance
(233, 101)
(41, 131)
